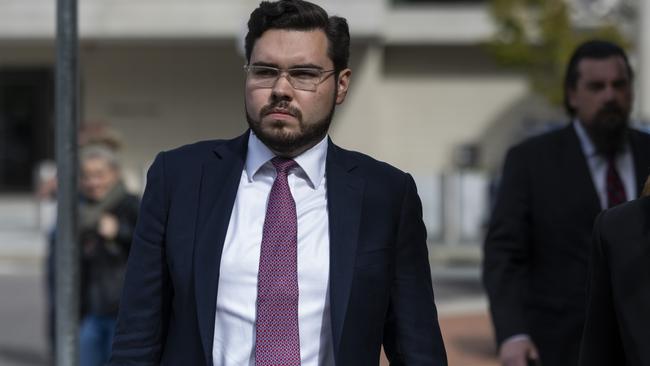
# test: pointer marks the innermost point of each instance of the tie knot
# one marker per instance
(283, 165)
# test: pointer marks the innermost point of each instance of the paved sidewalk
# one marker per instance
(469, 340)
(463, 316)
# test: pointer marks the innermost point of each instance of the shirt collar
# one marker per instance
(585, 141)
(312, 161)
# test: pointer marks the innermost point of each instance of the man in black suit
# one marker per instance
(279, 247)
(553, 187)
(617, 327)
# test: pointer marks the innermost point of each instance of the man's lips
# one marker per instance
(280, 111)
(280, 114)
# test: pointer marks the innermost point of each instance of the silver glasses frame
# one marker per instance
(306, 85)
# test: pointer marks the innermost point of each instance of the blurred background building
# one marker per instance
(426, 94)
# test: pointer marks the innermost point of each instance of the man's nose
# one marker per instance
(609, 93)
(282, 88)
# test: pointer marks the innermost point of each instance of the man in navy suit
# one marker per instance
(279, 247)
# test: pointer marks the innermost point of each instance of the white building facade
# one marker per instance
(425, 94)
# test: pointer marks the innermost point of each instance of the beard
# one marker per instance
(288, 143)
(608, 130)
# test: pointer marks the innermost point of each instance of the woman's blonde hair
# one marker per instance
(101, 152)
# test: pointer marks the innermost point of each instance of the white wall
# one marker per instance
(410, 106)
(413, 114)
(163, 96)
(644, 58)
(210, 19)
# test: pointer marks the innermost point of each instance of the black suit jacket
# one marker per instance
(617, 329)
(537, 246)
(380, 282)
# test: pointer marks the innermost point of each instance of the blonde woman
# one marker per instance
(107, 217)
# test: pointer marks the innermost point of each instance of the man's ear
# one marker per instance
(571, 96)
(342, 85)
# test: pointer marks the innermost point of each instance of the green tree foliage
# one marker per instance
(538, 37)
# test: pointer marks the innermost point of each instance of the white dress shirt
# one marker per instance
(234, 328)
(598, 167)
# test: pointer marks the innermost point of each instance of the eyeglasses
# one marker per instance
(300, 78)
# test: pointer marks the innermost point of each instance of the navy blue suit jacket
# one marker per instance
(380, 282)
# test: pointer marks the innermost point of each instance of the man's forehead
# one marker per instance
(291, 47)
(602, 68)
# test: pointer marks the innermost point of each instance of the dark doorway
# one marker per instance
(26, 125)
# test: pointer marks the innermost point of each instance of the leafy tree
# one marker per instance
(538, 37)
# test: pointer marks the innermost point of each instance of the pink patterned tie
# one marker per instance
(277, 339)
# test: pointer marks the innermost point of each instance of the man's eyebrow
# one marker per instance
(307, 66)
(267, 64)
(298, 66)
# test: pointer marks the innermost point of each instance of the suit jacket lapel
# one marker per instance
(576, 169)
(219, 183)
(344, 198)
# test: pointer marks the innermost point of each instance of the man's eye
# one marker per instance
(620, 84)
(595, 86)
(305, 74)
(264, 73)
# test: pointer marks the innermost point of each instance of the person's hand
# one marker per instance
(517, 352)
(108, 226)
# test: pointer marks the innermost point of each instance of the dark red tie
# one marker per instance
(614, 185)
(277, 339)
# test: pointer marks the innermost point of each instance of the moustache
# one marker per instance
(610, 109)
(281, 107)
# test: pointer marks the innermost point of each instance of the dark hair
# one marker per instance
(300, 15)
(596, 49)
